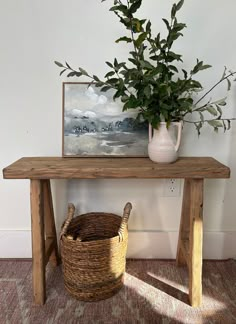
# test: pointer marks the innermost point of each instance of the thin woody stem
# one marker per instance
(215, 85)
(89, 76)
(132, 33)
(206, 120)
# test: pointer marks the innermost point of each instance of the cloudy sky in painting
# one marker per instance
(80, 100)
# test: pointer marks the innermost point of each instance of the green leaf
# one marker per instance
(96, 78)
(133, 102)
(106, 88)
(215, 123)
(62, 71)
(167, 23)
(124, 98)
(98, 84)
(112, 81)
(134, 54)
(157, 40)
(212, 110)
(83, 72)
(120, 65)
(220, 102)
(136, 25)
(155, 120)
(124, 39)
(148, 27)
(224, 74)
(154, 57)
(142, 21)
(147, 91)
(201, 116)
(196, 67)
(173, 68)
(121, 8)
(204, 67)
(111, 73)
(140, 39)
(178, 27)
(198, 127)
(117, 94)
(133, 61)
(229, 84)
(195, 84)
(173, 11)
(135, 6)
(78, 74)
(71, 74)
(146, 65)
(179, 5)
(219, 110)
(225, 128)
(173, 56)
(199, 66)
(185, 73)
(109, 64)
(68, 65)
(58, 64)
(172, 37)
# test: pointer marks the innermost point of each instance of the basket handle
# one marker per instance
(124, 221)
(70, 214)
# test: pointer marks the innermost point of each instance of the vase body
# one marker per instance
(164, 142)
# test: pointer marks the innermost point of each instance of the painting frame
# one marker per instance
(107, 141)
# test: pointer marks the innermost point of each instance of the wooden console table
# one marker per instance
(44, 241)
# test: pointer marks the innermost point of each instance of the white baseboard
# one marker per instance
(160, 245)
(163, 245)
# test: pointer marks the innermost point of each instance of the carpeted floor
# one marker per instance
(155, 292)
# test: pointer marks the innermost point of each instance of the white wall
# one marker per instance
(35, 33)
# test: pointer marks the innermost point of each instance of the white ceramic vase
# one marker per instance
(164, 142)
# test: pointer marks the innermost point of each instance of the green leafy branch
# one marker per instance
(151, 81)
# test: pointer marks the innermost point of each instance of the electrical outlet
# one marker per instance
(171, 188)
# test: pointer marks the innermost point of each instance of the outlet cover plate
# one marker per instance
(171, 188)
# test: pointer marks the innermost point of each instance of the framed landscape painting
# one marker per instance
(95, 125)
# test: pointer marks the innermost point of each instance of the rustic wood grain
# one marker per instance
(49, 247)
(91, 168)
(49, 224)
(185, 251)
(195, 242)
(181, 257)
(38, 242)
(189, 250)
(41, 169)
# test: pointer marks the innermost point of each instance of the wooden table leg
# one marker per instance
(51, 249)
(195, 242)
(190, 237)
(184, 226)
(38, 241)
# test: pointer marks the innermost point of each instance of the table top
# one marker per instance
(91, 168)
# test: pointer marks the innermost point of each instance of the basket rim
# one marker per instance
(111, 240)
(97, 213)
(114, 239)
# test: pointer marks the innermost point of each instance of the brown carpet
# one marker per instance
(155, 292)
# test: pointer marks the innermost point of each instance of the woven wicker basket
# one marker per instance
(93, 251)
